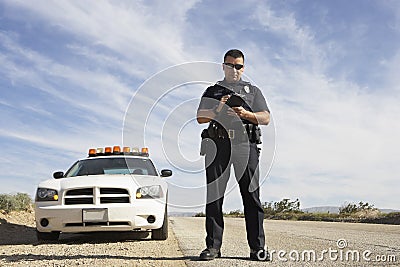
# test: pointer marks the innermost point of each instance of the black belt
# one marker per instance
(235, 135)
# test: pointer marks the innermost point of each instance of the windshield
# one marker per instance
(112, 166)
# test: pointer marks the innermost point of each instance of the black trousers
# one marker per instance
(245, 158)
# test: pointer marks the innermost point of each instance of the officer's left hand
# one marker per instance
(241, 112)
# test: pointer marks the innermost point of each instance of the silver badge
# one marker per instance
(246, 89)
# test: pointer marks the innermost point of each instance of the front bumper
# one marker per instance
(145, 214)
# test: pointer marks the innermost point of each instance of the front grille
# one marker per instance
(107, 200)
(80, 191)
(78, 201)
(79, 196)
(107, 195)
(113, 191)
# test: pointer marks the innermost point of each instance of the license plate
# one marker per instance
(95, 215)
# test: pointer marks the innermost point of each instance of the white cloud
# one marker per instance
(335, 138)
(131, 29)
(70, 85)
(299, 39)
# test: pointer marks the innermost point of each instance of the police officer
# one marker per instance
(233, 108)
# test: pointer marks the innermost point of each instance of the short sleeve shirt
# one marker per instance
(252, 95)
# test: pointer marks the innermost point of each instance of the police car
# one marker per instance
(110, 190)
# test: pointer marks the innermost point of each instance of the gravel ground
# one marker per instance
(19, 247)
(293, 237)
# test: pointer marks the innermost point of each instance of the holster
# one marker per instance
(254, 133)
(205, 142)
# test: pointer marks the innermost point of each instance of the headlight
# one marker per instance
(153, 191)
(45, 194)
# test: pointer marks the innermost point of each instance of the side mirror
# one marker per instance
(166, 173)
(58, 175)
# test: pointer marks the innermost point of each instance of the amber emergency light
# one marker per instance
(116, 149)
(92, 152)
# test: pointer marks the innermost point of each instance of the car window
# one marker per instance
(111, 165)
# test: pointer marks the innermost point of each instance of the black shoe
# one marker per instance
(259, 255)
(210, 254)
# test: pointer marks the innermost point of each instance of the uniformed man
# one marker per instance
(233, 108)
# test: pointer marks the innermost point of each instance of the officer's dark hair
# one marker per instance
(235, 53)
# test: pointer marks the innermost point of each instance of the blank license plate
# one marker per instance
(95, 215)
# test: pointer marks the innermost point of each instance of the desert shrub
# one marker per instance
(235, 213)
(352, 208)
(6, 202)
(200, 214)
(282, 210)
(17, 202)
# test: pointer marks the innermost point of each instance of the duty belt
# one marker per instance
(235, 135)
(245, 133)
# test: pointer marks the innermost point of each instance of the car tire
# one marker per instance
(161, 233)
(43, 236)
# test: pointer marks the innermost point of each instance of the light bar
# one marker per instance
(116, 150)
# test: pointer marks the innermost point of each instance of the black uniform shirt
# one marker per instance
(252, 95)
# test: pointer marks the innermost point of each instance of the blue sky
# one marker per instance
(69, 71)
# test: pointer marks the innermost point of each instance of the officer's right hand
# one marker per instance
(222, 102)
(229, 111)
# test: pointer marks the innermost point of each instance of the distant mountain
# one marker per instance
(388, 210)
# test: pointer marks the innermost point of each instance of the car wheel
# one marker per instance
(161, 233)
(52, 236)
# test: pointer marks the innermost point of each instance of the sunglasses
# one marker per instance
(236, 66)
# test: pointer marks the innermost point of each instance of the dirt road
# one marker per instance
(296, 243)
(19, 247)
(290, 243)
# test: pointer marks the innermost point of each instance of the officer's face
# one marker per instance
(230, 67)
